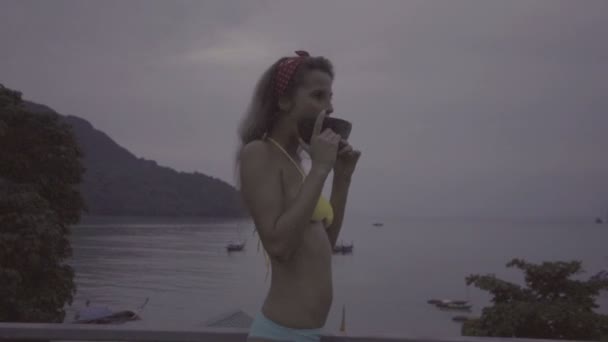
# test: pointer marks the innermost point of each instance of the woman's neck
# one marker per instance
(285, 133)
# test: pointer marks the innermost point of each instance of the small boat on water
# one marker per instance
(231, 319)
(448, 304)
(238, 243)
(343, 249)
(453, 306)
(600, 220)
(377, 224)
(447, 301)
(235, 247)
(103, 315)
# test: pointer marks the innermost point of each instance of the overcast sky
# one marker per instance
(482, 108)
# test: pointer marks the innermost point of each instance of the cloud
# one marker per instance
(234, 49)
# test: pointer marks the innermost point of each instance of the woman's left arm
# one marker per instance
(339, 194)
(343, 171)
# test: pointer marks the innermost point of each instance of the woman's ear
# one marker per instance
(285, 104)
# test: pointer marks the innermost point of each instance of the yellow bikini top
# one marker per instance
(323, 211)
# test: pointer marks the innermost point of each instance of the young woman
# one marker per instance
(297, 226)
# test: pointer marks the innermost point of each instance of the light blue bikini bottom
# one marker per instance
(262, 327)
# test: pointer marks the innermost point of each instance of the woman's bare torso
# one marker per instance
(301, 290)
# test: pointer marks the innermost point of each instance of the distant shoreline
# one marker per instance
(109, 219)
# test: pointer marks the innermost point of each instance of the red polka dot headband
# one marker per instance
(286, 70)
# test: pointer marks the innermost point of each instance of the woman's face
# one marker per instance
(313, 96)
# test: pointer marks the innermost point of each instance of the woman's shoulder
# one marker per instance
(257, 148)
(256, 152)
(257, 164)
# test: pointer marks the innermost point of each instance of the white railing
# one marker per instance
(88, 332)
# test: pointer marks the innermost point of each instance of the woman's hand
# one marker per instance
(346, 162)
(323, 148)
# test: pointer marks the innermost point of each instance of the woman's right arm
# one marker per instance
(280, 225)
